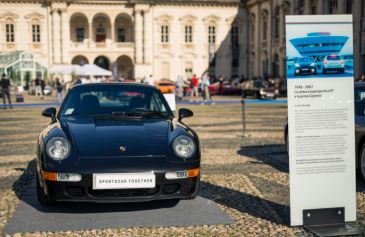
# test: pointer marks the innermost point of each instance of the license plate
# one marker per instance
(124, 180)
(270, 95)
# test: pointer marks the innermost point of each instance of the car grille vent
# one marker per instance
(75, 191)
(170, 188)
(123, 192)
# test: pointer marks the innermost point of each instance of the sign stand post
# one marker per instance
(328, 222)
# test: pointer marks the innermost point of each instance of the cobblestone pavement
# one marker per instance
(237, 171)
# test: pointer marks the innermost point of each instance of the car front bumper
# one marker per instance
(82, 191)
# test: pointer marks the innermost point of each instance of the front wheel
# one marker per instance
(43, 199)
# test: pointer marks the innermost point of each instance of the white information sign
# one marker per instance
(170, 98)
(321, 114)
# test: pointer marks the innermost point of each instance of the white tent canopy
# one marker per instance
(63, 69)
(92, 70)
(85, 70)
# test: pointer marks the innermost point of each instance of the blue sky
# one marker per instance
(301, 30)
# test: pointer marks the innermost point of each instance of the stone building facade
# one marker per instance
(266, 34)
(140, 37)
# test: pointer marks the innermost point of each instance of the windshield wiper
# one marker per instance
(149, 114)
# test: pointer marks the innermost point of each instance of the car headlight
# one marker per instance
(58, 148)
(184, 146)
(296, 65)
(312, 65)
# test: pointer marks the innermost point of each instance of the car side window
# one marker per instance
(156, 103)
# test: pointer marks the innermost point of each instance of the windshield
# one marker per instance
(114, 100)
(360, 101)
(306, 60)
(333, 57)
(261, 84)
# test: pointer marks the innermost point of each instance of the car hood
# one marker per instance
(113, 138)
(305, 64)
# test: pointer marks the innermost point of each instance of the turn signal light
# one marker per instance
(193, 173)
(51, 176)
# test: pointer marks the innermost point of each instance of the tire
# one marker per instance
(43, 199)
(258, 96)
(342, 71)
(362, 162)
(196, 191)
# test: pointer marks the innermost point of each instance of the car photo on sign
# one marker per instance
(116, 142)
(320, 51)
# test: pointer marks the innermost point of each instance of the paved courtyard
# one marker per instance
(247, 176)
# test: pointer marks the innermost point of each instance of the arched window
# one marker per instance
(10, 30)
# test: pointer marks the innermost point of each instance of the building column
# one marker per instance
(65, 36)
(258, 42)
(148, 37)
(56, 36)
(91, 36)
(138, 34)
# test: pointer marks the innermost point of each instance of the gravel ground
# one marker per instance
(237, 174)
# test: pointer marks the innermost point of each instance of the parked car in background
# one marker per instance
(304, 65)
(333, 63)
(226, 87)
(166, 86)
(116, 142)
(359, 129)
(260, 89)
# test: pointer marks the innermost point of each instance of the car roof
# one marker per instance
(114, 83)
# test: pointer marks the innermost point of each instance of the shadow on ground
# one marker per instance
(271, 154)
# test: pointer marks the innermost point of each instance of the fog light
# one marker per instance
(66, 177)
(312, 69)
(297, 71)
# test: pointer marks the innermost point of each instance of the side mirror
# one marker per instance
(185, 113)
(50, 112)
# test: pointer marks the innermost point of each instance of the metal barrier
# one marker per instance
(244, 104)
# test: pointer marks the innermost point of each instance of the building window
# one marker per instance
(252, 28)
(164, 34)
(211, 34)
(313, 6)
(188, 34)
(189, 70)
(121, 35)
(264, 28)
(80, 34)
(332, 6)
(277, 22)
(10, 37)
(349, 6)
(234, 35)
(36, 33)
(301, 6)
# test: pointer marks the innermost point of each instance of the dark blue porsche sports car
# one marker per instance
(116, 142)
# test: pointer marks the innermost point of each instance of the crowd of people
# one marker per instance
(194, 88)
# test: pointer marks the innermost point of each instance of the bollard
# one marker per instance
(243, 103)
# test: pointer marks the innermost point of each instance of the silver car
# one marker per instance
(333, 63)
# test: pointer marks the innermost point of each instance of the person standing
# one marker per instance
(59, 89)
(195, 83)
(38, 86)
(5, 87)
(180, 87)
(205, 88)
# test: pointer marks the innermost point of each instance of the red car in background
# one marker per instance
(226, 87)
